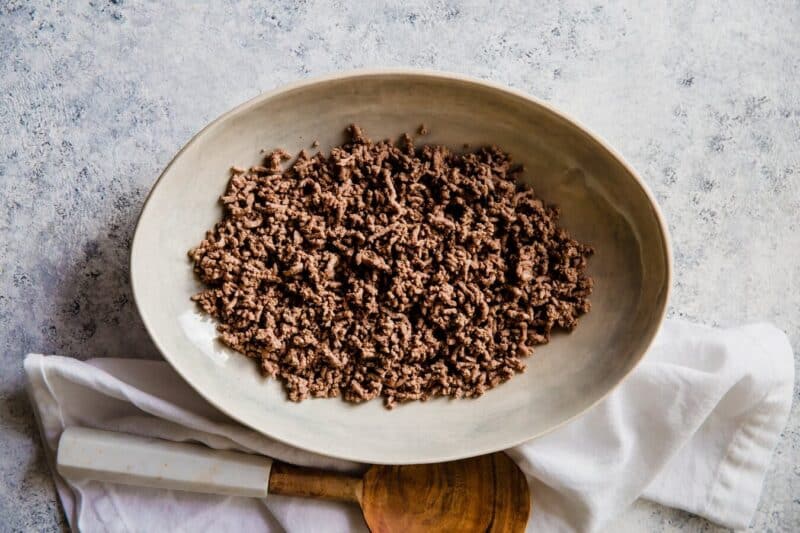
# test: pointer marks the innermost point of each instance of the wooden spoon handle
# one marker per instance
(290, 480)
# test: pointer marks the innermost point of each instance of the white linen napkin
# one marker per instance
(693, 427)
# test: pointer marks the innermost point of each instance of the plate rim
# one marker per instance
(663, 229)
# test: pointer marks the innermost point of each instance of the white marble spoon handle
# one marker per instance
(92, 454)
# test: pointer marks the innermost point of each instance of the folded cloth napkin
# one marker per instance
(692, 427)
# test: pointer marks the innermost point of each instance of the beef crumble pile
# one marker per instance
(385, 270)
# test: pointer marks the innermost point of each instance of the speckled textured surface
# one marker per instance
(704, 100)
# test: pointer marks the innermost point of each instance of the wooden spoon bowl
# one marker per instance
(486, 493)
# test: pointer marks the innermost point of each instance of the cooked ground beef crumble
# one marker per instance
(386, 270)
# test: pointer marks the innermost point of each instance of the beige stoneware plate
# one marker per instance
(604, 203)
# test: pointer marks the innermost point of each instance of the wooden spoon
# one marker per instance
(486, 493)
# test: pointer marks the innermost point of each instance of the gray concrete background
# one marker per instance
(95, 98)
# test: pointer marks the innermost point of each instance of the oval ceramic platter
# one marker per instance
(604, 203)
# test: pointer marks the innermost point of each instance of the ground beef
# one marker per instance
(386, 270)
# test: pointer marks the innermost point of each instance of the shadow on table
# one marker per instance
(94, 313)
